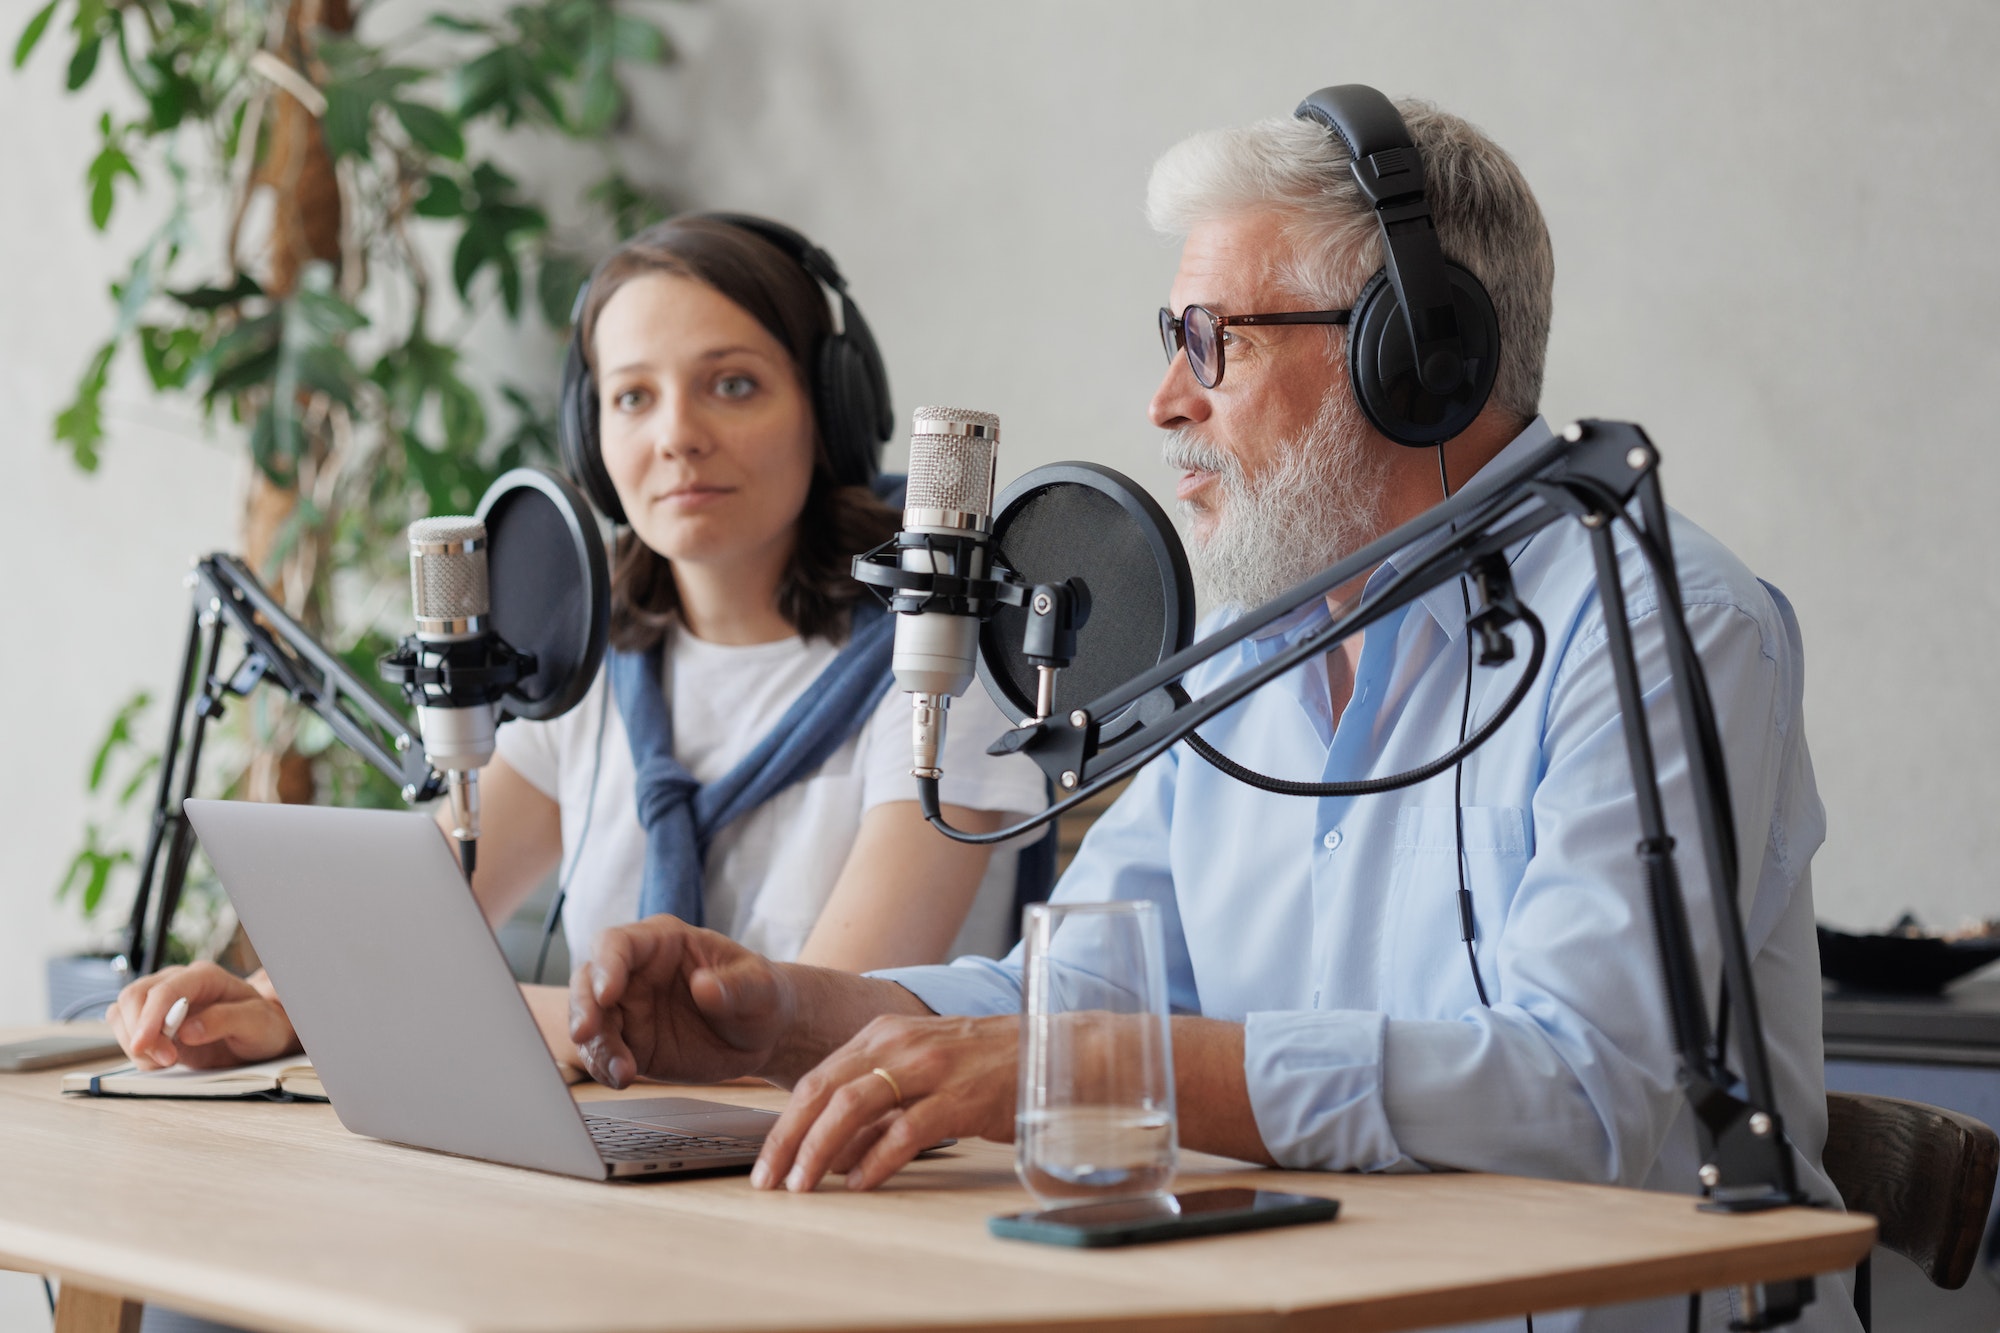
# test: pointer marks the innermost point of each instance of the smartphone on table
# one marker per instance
(48, 1052)
(1137, 1221)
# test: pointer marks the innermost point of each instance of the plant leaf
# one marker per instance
(558, 283)
(116, 736)
(170, 354)
(350, 107)
(480, 85)
(510, 281)
(81, 424)
(245, 372)
(265, 447)
(601, 102)
(100, 877)
(431, 129)
(32, 34)
(464, 415)
(84, 63)
(214, 298)
(636, 39)
(102, 175)
(442, 198)
(147, 768)
(77, 865)
(475, 247)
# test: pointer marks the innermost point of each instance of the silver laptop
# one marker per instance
(408, 1010)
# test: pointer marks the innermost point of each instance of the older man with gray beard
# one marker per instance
(1457, 974)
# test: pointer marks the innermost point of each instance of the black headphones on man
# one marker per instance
(1423, 343)
(1423, 348)
(848, 382)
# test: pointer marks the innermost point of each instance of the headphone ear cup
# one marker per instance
(872, 407)
(576, 434)
(834, 401)
(851, 393)
(1381, 364)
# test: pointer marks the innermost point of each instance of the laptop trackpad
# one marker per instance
(687, 1115)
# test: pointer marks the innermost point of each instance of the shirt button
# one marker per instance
(1331, 840)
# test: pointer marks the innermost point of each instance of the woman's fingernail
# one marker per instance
(760, 1175)
(193, 1031)
(796, 1181)
(598, 982)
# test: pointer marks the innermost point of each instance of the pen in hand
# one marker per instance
(175, 1017)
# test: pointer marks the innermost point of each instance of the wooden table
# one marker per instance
(273, 1216)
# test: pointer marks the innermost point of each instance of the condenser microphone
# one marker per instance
(947, 521)
(512, 606)
(457, 712)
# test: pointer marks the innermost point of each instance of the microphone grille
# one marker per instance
(447, 528)
(952, 460)
(448, 568)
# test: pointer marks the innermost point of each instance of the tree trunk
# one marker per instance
(305, 228)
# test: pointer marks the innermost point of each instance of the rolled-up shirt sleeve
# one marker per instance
(1315, 1083)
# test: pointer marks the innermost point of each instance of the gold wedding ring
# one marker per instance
(890, 1079)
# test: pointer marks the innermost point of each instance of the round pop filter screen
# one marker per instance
(1086, 523)
(551, 587)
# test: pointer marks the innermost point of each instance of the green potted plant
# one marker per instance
(318, 319)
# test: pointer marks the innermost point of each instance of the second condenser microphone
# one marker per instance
(953, 457)
(451, 597)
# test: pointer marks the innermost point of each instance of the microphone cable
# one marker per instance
(553, 917)
(1538, 648)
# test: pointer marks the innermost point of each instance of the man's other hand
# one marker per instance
(946, 1078)
(666, 1000)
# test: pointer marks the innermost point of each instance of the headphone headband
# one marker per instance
(850, 385)
(1423, 342)
(808, 256)
(1390, 172)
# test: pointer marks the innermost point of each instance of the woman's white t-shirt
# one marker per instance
(768, 875)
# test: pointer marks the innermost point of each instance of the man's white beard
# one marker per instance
(1319, 501)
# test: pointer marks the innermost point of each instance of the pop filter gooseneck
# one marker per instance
(1092, 526)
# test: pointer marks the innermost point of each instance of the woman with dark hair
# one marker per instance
(743, 760)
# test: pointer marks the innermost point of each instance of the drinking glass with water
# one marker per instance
(1096, 1117)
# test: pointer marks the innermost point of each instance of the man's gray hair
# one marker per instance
(1486, 218)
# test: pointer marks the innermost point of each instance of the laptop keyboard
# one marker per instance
(622, 1141)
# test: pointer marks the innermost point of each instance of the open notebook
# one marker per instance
(288, 1078)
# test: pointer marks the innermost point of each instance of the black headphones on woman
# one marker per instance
(848, 382)
(1423, 343)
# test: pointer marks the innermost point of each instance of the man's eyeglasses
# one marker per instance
(1197, 330)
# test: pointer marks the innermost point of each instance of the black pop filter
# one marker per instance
(551, 588)
(1087, 523)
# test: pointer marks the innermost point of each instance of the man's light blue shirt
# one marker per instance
(1330, 927)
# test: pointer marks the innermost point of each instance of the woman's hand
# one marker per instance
(230, 1021)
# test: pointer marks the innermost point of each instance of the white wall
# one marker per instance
(1769, 236)
(1770, 233)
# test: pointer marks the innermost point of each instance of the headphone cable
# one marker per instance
(1466, 919)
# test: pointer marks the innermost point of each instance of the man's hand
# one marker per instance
(666, 1000)
(230, 1021)
(947, 1077)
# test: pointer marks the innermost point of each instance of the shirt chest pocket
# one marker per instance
(1425, 970)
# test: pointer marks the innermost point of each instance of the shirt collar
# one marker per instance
(1444, 602)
